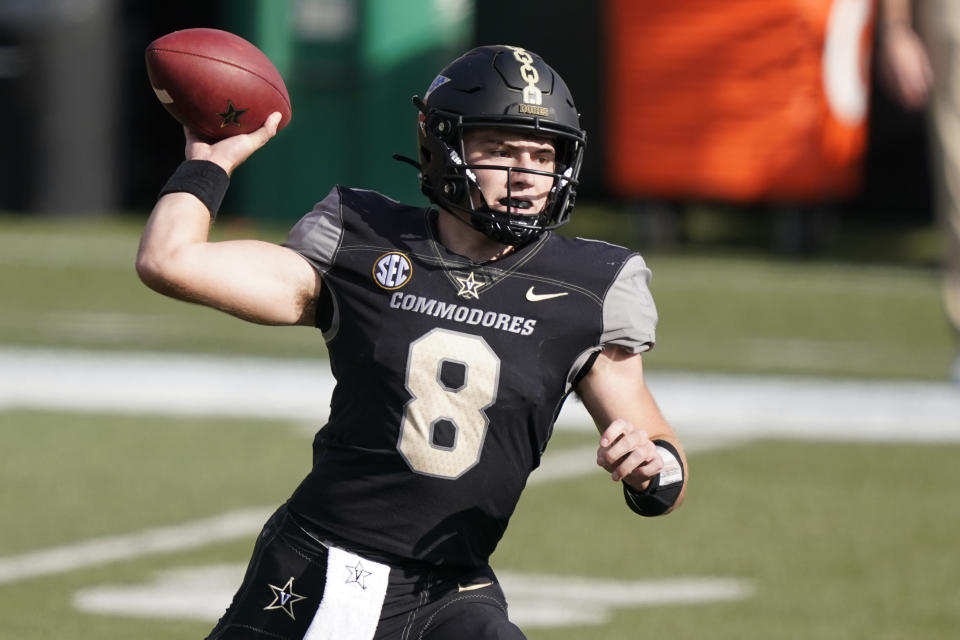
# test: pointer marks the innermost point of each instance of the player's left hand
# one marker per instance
(629, 454)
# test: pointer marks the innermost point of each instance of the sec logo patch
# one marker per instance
(392, 270)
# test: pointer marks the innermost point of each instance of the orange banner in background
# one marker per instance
(737, 100)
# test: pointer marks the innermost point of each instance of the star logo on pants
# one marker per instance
(357, 574)
(283, 598)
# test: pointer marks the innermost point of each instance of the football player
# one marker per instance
(455, 334)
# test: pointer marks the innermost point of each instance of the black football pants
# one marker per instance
(436, 605)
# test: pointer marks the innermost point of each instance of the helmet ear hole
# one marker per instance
(451, 190)
(442, 128)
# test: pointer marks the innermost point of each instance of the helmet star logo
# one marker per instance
(469, 287)
(231, 115)
(357, 575)
(283, 598)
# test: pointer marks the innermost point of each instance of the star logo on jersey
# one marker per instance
(283, 598)
(357, 575)
(469, 286)
(231, 115)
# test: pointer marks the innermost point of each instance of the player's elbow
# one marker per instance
(149, 268)
(157, 270)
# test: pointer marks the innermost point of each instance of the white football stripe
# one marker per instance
(163, 96)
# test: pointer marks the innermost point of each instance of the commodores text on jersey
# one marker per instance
(461, 313)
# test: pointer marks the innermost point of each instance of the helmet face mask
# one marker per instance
(508, 89)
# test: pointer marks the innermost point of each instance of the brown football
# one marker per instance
(215, 82)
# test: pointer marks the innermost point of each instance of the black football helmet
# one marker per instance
(499, 87)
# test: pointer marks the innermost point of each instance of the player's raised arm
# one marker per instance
(637, 445)
(254, 280)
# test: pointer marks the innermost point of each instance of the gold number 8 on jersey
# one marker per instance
(434, 401)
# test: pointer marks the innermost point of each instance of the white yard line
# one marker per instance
(706, 409)
(696, 404)
(99, 551)
(233, 525)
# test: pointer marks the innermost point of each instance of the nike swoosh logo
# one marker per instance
(472, 587)
(537, 297)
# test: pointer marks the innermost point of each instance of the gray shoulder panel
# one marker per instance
(629, 314)
(317, 235)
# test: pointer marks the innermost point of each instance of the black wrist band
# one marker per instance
(658, 497)
(204, 179)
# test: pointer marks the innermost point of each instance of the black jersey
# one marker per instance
(450, 373)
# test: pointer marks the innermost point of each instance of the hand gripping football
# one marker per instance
(215, 82)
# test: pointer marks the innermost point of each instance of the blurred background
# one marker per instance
(771, 107)
(783, 197)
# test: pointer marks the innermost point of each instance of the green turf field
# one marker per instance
(830, 541)
(876, 559)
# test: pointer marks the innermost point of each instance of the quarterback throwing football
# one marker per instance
(455, 333)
